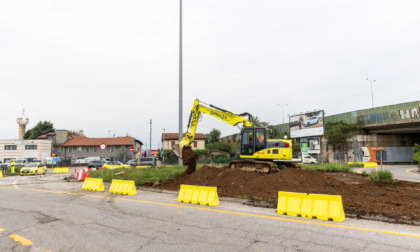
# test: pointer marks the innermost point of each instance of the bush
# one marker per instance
(382, 176)
(416, 156)
(221, 159)
(333, 167)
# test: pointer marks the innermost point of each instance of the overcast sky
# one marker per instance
(113, 65)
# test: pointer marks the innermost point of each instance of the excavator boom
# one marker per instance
(219, 113)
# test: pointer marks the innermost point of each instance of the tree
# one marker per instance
(120, 155)
(221, 146)
(256, 121)
(76, 132)
(337, 133)
(213, 136)
(42, 128)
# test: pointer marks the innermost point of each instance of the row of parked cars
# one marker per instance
(147, 161)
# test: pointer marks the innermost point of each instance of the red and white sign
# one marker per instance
(132, 149)
(102, 146)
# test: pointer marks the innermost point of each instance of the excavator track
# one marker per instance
(261, 166)
(254, 166)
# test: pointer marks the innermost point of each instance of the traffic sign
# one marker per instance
(132, 149)
(102, 146)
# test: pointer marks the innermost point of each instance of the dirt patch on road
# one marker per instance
(360, 196)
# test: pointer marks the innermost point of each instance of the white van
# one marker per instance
(308, 159)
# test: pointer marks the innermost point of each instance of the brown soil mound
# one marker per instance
(188, 159)
(360, 196)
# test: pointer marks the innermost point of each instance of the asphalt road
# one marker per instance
(402, 172)
(58, 216)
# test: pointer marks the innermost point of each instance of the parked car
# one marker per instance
(21, 162)
(96, 164)
(33, 169)
(151, 161)
(115, 165)
(310, 121)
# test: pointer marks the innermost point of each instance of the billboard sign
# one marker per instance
(314, 145)
(308, 124)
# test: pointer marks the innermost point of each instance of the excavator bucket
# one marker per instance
(177, 150)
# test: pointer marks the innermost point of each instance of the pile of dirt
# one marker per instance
(188, 159)
(360, 196)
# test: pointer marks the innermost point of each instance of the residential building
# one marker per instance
(82, 147)
(170, 139)
(24, 149)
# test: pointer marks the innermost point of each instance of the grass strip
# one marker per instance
(141, 176)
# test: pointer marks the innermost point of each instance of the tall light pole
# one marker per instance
(163, 147)
(371, 89)
(282, 112)
(150, 149)
(180, 76)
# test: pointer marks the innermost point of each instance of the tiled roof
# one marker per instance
(174, 136)
(115, 141)
(77, 136)
(45, 136)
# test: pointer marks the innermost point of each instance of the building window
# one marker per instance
(10, 147)
(70, 149)
(79, 149)
(112, 148)
(95, 149)
(30, 147)
(59, 149)
(87, 148)
(172, 143)
(195, 144)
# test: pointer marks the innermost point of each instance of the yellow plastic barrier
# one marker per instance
(93, 184)
(143, 167)
(319, 206)
(203, 195)
(1, 174)
(123, 187)
(370, 165)
(61, 170)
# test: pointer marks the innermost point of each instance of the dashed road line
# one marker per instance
(1, 229)
(22, 240)
(224, 211)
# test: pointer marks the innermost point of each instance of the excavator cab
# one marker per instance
(253, 139)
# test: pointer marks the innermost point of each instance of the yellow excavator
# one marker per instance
(259, 153)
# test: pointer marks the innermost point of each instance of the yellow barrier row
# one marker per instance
(365, 164)
(61, 170)
(93, 184)
(143, 167)
(1, 174)
(322, 207)
(202, 195)
(370, 165)
(123, 187)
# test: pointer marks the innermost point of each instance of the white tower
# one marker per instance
(22, 120)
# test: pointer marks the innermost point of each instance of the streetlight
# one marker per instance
(371, 89)
(163, 146)
(282, 112)
(180, 78)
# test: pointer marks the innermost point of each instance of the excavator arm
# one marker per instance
(221, 114)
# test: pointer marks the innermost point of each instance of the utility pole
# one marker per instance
(150, 149)
(163, 147)
(180, 76)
